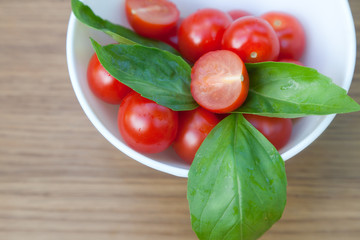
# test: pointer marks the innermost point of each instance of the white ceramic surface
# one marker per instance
(331, 49)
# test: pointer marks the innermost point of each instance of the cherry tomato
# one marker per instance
(146, 126)
(194, 126)
(103, 85)
(219, 81)
(290, 33)
(253, 39)
(201, 32)
(276, 130)
(291, 61)
(237, 13)
(152, 18)
(172, 38)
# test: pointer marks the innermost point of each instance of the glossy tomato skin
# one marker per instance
(152, 18)
(219, 81)
(238, 13)
(146, 126)
(290, 32)
(103, 85)
(253, 39)
(276, 130)
(201, 32)
(194, 126)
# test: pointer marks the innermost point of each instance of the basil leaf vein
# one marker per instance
(237, 183)
(290, 91)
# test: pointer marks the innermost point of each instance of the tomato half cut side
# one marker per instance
(219, 81)
(152, 18)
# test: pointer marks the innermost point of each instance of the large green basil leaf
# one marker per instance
(119, 33)
(290, 91)
(155, 74)
(237, 183)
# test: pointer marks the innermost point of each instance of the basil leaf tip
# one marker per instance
(119, 33)
(290, 91)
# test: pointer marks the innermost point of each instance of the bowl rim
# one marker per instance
(178, 171)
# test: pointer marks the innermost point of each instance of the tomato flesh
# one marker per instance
(194, 126)
(276, 130)
(146, 126)
(201, 32)
(253, 39)
(103, 85)
(152, 18)
(219, 81)
(290, 32)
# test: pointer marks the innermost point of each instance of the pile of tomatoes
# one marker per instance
(218, 44)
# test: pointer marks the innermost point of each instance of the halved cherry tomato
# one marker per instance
(146, 126)
(219, 81)
(194, 126)
(290, 32)
(201, 32)
(103, 85)
(253, 39)
(276, 130)
(152, 18)
(237, 13)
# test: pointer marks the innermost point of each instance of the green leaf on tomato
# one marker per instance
(237, 183)
(289, 91)
(119, 33)
(156, 74)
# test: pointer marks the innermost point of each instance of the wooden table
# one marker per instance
(60, 179)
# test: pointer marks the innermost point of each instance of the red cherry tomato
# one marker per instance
(172, 38)
(152, 18)
(237, 13)
(290, 33)
(201, 32)
(253, 39)
(146, 126)
(103, 85)
(292, 61)
(276, 130)
(219, 81)
(194, 126)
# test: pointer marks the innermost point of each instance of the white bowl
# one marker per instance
(331, 49)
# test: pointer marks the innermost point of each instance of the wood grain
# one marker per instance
(61, 180)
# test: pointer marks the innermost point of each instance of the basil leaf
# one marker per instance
(289, 91)
(119, 33)
(237, 183)
(155, 74)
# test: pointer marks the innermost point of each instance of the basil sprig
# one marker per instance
(119, 33)
(156, 74)
(289, 91)
(237, 183)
